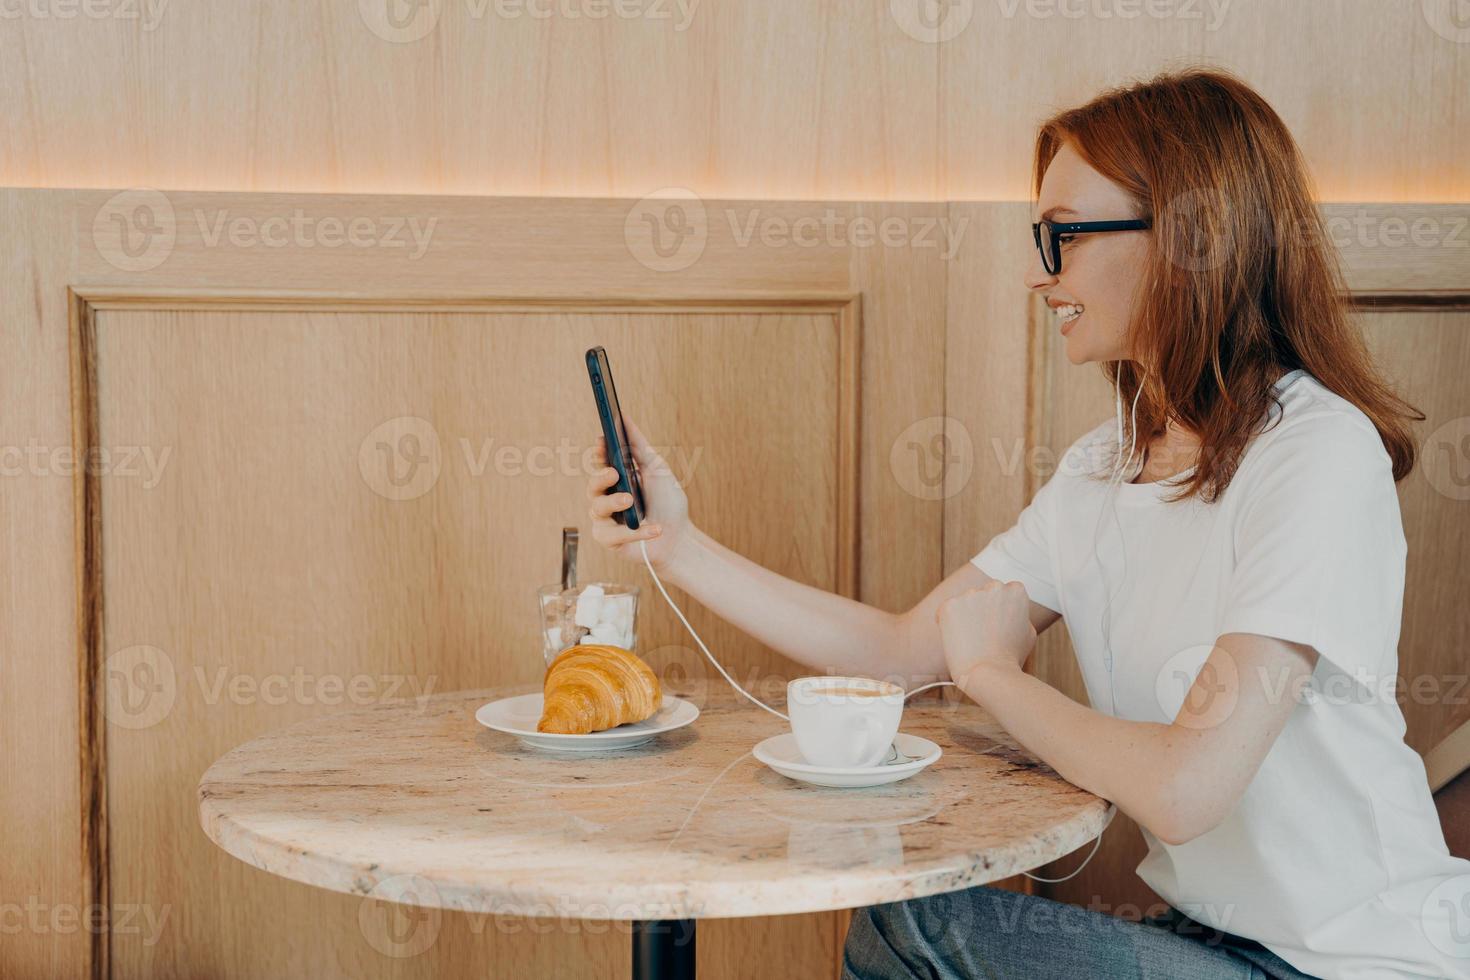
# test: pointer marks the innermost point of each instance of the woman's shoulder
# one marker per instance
(1323, 453)
(1313, 423)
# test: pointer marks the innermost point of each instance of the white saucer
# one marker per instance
(518, 716)
(781, 754)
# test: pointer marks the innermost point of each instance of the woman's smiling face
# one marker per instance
(1100, 272)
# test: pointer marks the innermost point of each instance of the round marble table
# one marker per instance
(417, 803)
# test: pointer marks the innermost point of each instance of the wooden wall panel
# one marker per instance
(1365, 114)
(1427, 356)
(733, 99)
(159, 329)
(41, 764)
(740, 98)
(269, 559)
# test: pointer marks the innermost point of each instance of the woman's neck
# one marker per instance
(1171, 453)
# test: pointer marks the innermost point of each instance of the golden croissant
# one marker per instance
(591, 687)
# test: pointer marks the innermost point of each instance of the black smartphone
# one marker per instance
(619, 450)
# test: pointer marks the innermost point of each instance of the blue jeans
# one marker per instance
(985, 932)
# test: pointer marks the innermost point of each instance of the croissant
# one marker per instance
(591, 687)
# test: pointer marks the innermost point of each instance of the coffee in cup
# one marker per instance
(843, 722)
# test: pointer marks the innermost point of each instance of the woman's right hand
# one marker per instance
(665, 523)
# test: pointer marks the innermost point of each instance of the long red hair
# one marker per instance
(1242, 283)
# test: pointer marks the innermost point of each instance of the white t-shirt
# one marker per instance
(1334, 857)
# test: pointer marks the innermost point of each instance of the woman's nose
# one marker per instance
(1037, 277)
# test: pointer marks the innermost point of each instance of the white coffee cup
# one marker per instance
(843, 722)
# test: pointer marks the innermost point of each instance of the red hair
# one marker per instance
(1242, 283)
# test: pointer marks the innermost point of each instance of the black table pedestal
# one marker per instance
(663, 949)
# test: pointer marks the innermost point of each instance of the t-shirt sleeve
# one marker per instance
(1023, 553)
(1320, 548)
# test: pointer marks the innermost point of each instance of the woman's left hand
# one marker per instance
(988, 625)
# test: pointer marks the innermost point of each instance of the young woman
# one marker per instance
(1229, 562)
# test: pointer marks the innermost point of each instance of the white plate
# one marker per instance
(781, 754)
(518, 716)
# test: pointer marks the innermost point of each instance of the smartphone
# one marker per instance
(619, 450)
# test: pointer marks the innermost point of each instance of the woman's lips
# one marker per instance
(1069, 313)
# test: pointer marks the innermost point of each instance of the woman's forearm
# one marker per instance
(827, 632)
(1130, 763)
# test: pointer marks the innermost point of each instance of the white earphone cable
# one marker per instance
(643, 548)
(1109, 505)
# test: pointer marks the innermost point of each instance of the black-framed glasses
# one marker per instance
(1050, 236)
